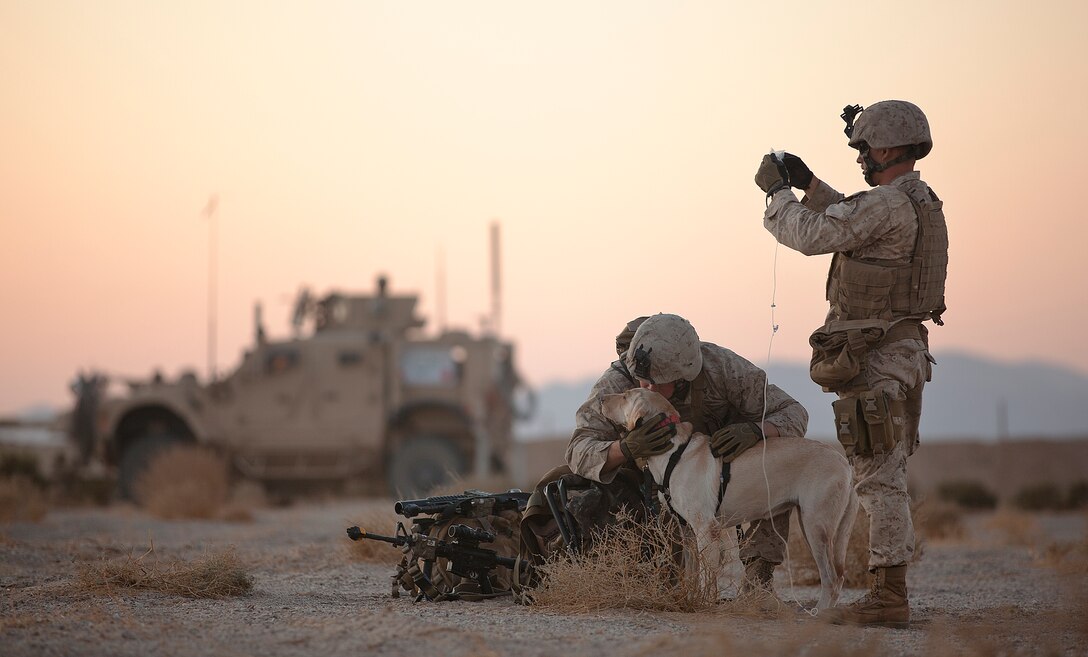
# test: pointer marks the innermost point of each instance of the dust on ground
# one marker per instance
(982, 595)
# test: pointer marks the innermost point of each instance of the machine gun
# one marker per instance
(458, 544)
(470, 504)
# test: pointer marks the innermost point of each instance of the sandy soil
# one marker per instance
(979, 596)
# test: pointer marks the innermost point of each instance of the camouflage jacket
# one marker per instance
(730, 389)
(878, 224)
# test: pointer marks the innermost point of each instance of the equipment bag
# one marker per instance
(838, 350)
(566, 510)
(435, 581)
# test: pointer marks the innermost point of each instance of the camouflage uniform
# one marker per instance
(728, 390)
(879, 224)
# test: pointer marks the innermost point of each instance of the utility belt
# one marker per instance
(869, 424)
(839, 349)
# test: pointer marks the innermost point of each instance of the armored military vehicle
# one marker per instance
(361, 396)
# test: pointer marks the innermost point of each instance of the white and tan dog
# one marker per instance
(801, 473)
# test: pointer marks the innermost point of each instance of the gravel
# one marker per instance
(978, 596)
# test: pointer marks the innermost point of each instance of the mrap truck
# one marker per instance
(363, 396)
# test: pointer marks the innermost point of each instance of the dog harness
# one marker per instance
(723, 480)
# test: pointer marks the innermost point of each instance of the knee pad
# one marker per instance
(869, 423)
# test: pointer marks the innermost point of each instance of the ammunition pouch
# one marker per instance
(870, 423)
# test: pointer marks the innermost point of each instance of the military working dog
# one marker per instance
(781, 473)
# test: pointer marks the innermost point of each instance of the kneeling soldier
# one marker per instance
(719, 392)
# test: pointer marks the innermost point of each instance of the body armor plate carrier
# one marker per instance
(888, 289)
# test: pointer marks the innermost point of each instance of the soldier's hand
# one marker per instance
(732, 441)
(649, 438)
(771, 175)
(800, 176)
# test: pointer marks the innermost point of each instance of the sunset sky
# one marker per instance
(615, 141)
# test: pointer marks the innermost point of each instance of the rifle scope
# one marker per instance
(467, 533)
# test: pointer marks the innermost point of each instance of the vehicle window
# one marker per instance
(432, 365)
(280, 361)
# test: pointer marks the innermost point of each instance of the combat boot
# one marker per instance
(758, 576)
(885, 604)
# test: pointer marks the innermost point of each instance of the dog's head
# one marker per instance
(628, 409)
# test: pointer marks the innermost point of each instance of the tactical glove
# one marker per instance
(771, 175)
(800, 176)
(732, 441)
(648, 439)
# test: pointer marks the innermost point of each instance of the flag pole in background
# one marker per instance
(211, 213)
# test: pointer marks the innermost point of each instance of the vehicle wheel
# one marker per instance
(421, 463)
(135, 458)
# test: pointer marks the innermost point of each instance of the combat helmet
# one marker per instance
(665, 348)
(892, 123)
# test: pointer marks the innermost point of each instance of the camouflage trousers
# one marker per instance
(761, 542)
(901, 370)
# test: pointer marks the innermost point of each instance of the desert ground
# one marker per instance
(1007, 582)
(989, 593)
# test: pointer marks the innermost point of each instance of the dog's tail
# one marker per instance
(842, 533)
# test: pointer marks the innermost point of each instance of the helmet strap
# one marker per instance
(872, 167)
(680, 391)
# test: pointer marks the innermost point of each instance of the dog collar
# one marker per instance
(671, 419)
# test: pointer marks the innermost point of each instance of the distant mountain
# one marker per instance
(40, 412)
(970, 397)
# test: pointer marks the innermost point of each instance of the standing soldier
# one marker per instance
(719, 392)
(887, 276)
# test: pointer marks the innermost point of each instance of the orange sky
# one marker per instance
(616, 141)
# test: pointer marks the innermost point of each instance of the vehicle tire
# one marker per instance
(421, 463)
(136, 457)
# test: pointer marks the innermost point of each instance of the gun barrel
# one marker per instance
(410, 508)
(355, 534)
(461, 504)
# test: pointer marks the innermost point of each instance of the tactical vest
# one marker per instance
(861, 288)
(697, 409)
